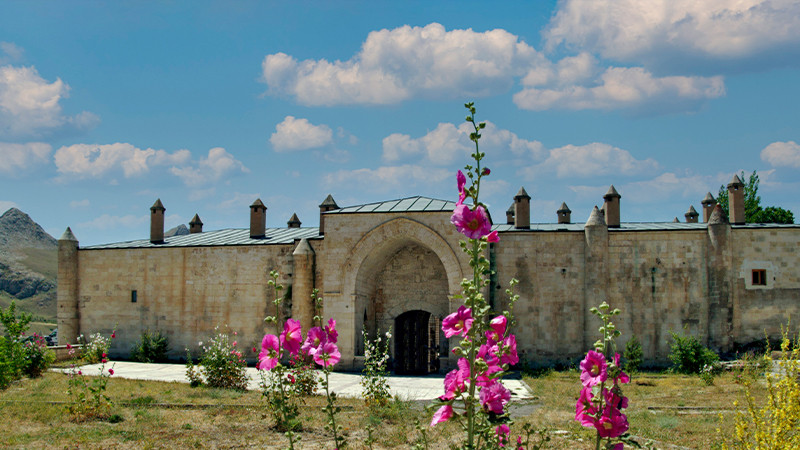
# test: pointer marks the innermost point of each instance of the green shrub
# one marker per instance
(633, 355)
(12, 349)
(36, 356)
(151, 348)
(688, 355)
(95, 350)
(222, 364)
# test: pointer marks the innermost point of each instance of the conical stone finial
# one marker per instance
(329, 203)
(718, 217)
(708, 199)
(522, 194)
(68, 236)
(612, 192)
(595, 219)
(675, 220)
(294, 221)
(157, 206)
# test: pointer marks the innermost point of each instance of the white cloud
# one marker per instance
(782, 154)
(405, 62)
(109, 222)
(447, 142)
(16, 157)
(623, 88)
(95, 161)
(590, 160)
(385, 179)
(10, 52)
(79, 203)
(680, 32)
(299, 134)
(218, 164)
(30, 106)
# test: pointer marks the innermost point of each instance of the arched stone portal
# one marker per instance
(401, 266)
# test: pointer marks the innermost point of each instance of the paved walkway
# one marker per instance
(345, 384)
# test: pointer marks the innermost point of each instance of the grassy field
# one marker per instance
(666, 409)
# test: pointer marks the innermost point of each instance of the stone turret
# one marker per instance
(196, 225)
(329, 204)
(736, 201)
(157, 222)
(258, 219)
(596, 256)
(564, 213)
(294, 222)
(522, 210)
(721, 280)
(304, 260)
(708, 206)
(68, 315)
(691, 215)
(510, 215)
(611, 207)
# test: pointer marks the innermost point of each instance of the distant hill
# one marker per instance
(180, 230)
(28, 265)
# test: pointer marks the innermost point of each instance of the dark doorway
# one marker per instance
(416, 350)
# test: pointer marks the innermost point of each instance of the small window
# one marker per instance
(759, 277)
(133, 296)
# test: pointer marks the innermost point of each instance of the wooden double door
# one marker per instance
(417, 343)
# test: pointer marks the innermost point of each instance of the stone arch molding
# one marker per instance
(393, 235)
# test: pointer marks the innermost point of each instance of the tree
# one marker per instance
(753, 212)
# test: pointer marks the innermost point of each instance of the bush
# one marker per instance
(151, 348)
(36, 356)
(12, 350)
(688, 355)
(633, 355)
(96, 349)
(223, 366)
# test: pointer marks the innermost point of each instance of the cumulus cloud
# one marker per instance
(299, 134)
(590, 160)
(17, 157)
(623, 88)
(782, 154)
(213, 168)
(10, 52)
(385, 179)
(95, 161)
(30, 106)
(672, 33)
(405, 62)
(446, 143)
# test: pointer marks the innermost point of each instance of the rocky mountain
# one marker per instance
(180, 230)
(28, 264)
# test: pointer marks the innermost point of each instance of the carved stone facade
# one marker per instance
(400, 268)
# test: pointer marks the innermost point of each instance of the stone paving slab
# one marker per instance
(345, 384)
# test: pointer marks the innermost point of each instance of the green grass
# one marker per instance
(41, 261)
(157, 414)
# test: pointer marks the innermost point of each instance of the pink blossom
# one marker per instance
(330, 330)
(442, 415)
(585, 409)
(111, 371)
(268, 358)
(461, 180)
(494, 397)
(456, 381)
(314, 340)
(486, 171)
(508, 353)
(611, 424)
(502, 432)
(458, 323)
(615, 400)
(113, 334)
(473, 224)
(327, 355)
(292, 336)
(593, 369)
(488, 353)
(497, 329)
(493, 237)
(622, 377)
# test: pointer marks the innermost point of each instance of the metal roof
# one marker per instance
(225, 237)
(634, 226)
(410, 204)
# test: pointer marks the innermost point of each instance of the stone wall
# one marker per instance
(183, 292)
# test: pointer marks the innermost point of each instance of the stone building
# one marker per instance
(398, 263)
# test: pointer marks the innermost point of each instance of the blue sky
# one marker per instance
(210, 105)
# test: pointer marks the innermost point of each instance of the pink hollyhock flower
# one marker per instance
(615, 400)
(508, 354)
(254, 350)
(488, 353)
(442, 415)
(268, 358)
(103, 360)
(473, 224)
(458, 323)
(502, 432)
(69, 346)
(292, 336)
(456, 381)
(494, 397)
(113, 335)
(611, 424)
(497, 329)
(104, 355)
(111, 371)
(585, 409)
(314, 340)
(486, 171)
(80, 372)
(622, 377)
(593, 369)
(327, 355)
(461, 180)
(330, 330)
(492, 237)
